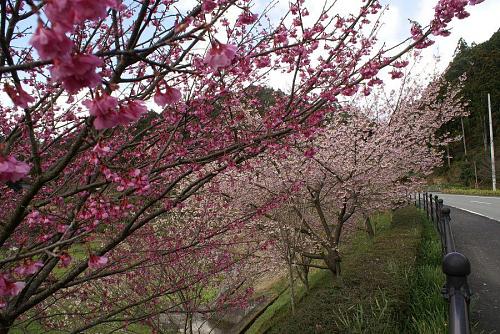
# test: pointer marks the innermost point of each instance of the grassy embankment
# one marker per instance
(470, 191)
(390, 284)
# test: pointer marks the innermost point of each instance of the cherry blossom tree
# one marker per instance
(360, 164)
(121, 113)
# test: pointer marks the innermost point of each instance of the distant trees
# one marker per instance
(481, 66)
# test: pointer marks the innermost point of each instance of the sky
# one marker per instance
(478, 27)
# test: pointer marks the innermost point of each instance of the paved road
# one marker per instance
(478, 237)
(485, 206)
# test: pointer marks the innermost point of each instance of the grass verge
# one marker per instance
(390, 284)
(472, 192)
(427, 311)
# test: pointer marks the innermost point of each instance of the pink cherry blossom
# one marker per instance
(96, 262)
(12, 170)
(171, 96)
(65, 260)
(61, 14)
(208, 6)
(101, 150)
(18, 96)
(64, 14)
(131, 111)
(309, 153)
(395, 74)
(51, 43)
(247, 17)
(9, 288)
(77, 72)
(103, 108)
(400, 64)
(220, 55)
(28, 268)
(92, 9)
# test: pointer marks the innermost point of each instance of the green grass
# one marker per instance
(427, 309)
(469, 191)
(390, 284)
(280, 309)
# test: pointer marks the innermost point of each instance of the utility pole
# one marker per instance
(463, 137)
(476, 185)
(492, 148)
(448, 155)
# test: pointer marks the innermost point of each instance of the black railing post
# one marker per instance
(419, 202)
(427, 203)
(456, 267)
(449, 243)
(424, 197)
(436, 211)
(431, 211)
(440, 217)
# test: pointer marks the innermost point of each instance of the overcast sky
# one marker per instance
(478, 27)
(483, 22)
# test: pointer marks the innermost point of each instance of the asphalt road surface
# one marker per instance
(484, 206)
(478, 237)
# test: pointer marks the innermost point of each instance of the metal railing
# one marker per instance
(455, 265)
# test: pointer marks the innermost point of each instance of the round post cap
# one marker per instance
(456, 264)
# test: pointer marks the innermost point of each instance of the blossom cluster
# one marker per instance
(12, 170)
(74, 71)
(109, 113)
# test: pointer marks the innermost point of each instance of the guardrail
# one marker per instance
(455, 265)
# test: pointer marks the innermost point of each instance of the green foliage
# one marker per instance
(481, 65)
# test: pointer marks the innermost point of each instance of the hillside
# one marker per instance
(481, 65)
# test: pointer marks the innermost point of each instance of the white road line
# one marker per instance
(480, 202)
(473, 196)
(476, 213)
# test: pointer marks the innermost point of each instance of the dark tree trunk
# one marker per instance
(369, 227)
(4, 328)
(303, 271)
(332, 261)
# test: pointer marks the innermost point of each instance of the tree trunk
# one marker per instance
(292, 285)
(332, 260)
(303, 271)
(369, 227)
(4, 328)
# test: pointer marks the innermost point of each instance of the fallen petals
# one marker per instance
(96, 262)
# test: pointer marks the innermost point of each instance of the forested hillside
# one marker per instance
(471, 157)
